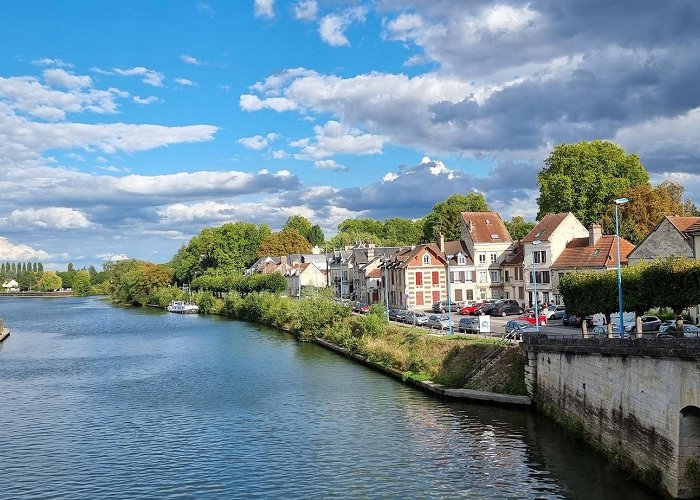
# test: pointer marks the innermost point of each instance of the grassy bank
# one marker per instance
(455, 362)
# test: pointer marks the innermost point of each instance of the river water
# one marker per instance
(98, 401)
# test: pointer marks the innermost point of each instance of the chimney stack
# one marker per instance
(441, 242)
(595, 231)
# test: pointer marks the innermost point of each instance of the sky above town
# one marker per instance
(127, 127)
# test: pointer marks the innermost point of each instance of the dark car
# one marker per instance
(573, 320)
(505, 308)
(397, 314)
(361, 307)
(468, 325)
(484, 309)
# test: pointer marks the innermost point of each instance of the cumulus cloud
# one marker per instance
(265, 8)
(149, 76)
(305, 10)
(330, 165)
(145, 100)
(20, 252)
(111, 257)
(47, 61)
(333, 26)
(335, 138)
(58, 218)
(251, 102)
(66, 79)
(188, 59)
(257, 142)
(185, 82)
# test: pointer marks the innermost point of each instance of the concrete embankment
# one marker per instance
(469, 395)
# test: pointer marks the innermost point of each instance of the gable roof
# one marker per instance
(403, 259)
(578, 253)
(544, 228)
(486, 227)
(516, 257)
(683, 224)
(456, 247)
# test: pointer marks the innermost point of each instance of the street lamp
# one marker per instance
(385, 275)
(534, 281)
(341, 274)
(449, 295)
(618, 202)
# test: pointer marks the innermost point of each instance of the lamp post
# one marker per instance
(618, 202)
(385, 275)
(449, 295)
(341, 274)
(534, 281)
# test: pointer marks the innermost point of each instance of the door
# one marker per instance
(436, 295)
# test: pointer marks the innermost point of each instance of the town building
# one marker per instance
(416, 277)
(673, 236)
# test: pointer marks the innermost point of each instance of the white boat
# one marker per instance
(181, 307)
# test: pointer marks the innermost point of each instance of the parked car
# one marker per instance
(555, 312)
(471, 308)
(524, 330)
(361, 307)
(484, 309)
(438, 321)
(397, 314)
(513, 324)
(530, 318)
(649, 324)
(671, 323)
(442, 306)
(505, 308)
(468, 325)
(689, 331)
(416, 317)
(573, 320)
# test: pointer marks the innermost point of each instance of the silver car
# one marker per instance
(438, 321)
(416, 318)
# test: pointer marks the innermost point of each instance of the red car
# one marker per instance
(470, 309)
(530, 318)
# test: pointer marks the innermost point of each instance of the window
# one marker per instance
(506, 278)
(436, 278)
(482, 293)
(452, 276)
(519, 274)
(470, 295)
(426, 259)
(495, 237)
(540, 256)
(458, 295)
(462, 276)
(487, 221)
(542, 277)
(521, 293)
(419, 279)
(482, 258)
(482, 277)
(436, 296)
(495, 276)
(494, 257)
(461, 260)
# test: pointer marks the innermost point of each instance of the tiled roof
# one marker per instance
(486, 227)
(544, 228)
(684, 224)
(578, 253)
(516, 257)
(402, 259)
(376, 273)
(455, 247)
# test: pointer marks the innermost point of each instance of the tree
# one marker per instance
(49, 281)
(646, 207)
(518, 227)
(132, 280)
(300, 224)
(316, 236)
(446, 216)
(284, 243)
(584, 178)
(81, 283)
(401, 232)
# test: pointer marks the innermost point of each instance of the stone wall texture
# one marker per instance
(626, 398)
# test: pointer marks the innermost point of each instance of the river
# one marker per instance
(98, 401)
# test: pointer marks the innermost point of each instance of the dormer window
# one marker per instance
(495, 237)
(487, 221)
(461, 259)
(426, 259)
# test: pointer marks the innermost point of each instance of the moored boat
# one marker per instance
(181, 307)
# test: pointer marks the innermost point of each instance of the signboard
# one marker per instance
(485, 323)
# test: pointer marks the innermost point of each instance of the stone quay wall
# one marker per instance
(637, 401)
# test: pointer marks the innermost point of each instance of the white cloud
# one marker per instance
(265, 8)
(19, 252)
(188, 59)
(66, 79)
(305, 10)
(330, 165)
(51, 62)
(185, 82)
(145, 100)
(111, 257)
(504, 18)
(251, 102)
(60, 218)
(335, 138)
(150, 77)
(333, 26)
(279, 154)
(75, 157)
(257, 142)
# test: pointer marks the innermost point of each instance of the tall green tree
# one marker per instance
(81, 283)
(584, 178)
(300, 224)
(446, 217)
(284, 243)
(49, 281)
(316, 236)
(362, 226)
(399, 232)
(518, 227)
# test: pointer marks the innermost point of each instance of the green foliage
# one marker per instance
(394, 231)
(49, 281)
(316, 236)
(81, 284)
(207, 303)
(584, 178)
(132, 280)
(231, 247)
(241, 284)
(285, 242)
(162, 296)
(518, 227)
(446, 216)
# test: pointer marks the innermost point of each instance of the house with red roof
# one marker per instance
(416, 277)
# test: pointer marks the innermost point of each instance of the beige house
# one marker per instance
(513, 274)
(416, 277)
(301, 275)
(487, 241)
(462, 272)
(672, 237)
(554, 232)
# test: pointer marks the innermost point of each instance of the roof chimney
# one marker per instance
(595, 231)
(370, 252)
(441, 242)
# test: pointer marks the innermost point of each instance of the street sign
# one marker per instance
(485, 324)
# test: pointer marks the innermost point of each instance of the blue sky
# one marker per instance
(127, 127)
